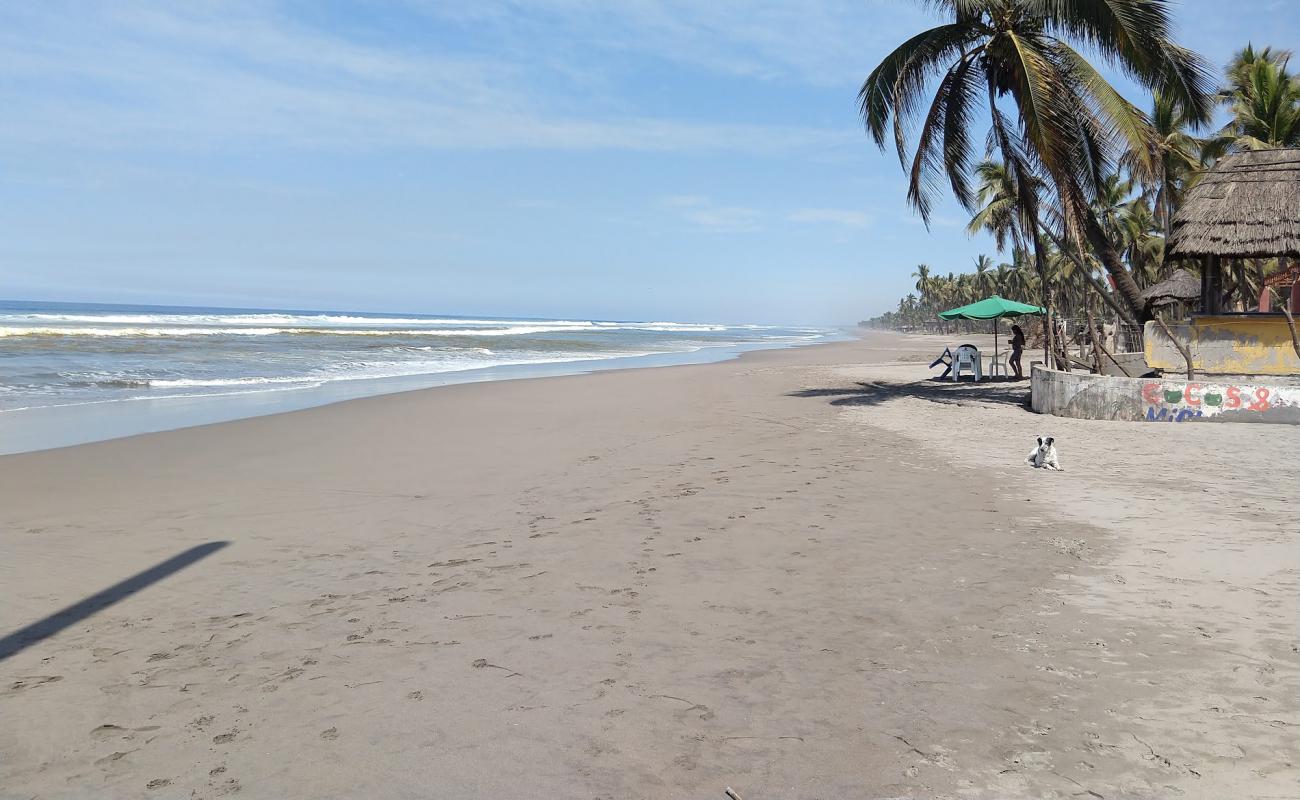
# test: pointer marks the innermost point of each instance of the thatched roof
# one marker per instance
(1246, 206)
(1180, 287)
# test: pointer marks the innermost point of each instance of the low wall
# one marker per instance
(1083, 395)
(1252, 344)
(1133, 365)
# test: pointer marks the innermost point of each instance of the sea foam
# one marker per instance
(65, 354)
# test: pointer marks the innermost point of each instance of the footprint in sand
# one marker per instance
(111, 757)
(32, 681)
(107, 731)
(456, 562)
(201, 722)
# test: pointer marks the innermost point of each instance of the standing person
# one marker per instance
(1017, 347)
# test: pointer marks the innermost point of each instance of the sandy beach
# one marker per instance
(804, 573)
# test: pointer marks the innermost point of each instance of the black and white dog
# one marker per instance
(1044, 455)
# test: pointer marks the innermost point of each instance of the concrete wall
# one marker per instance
(1226, 345)
(1086, 396)
(1134, 364)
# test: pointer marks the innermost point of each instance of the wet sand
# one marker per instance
(805, 573)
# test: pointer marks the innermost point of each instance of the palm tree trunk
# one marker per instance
(1182, 348)
(1090, 278)
(1095, 332)
(1167, 200)
(1040, 264)
(1290, 324)
(1110, 259)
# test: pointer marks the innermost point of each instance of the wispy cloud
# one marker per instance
(726, 219)
(686, 200)
(702, 212)
(820, 42)
(187, 76)
(836, 216)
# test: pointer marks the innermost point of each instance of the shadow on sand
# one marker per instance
(42, 629)
(998, 391)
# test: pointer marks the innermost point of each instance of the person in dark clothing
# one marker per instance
(1017, 347)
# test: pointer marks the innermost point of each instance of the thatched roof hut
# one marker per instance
(1246, 206)
(1180, 287)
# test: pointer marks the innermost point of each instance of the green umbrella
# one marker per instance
(994, 308)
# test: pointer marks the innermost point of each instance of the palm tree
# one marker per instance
(1002, 279)
(925, 286)
(1021, 280)
(967, 288)
(997, 208)
(1243, 60)
(1173, 161)
(1142, 248)
(1264, 99)
(1113, 198)
(1070, 122)
(983, 278)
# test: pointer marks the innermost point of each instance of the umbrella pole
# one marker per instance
(995, 346)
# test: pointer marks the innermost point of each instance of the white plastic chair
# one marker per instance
(998, 364)
(968, 357)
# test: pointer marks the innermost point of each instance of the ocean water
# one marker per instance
(158, 361)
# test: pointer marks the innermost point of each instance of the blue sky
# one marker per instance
(663, 159)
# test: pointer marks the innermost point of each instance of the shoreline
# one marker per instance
(802, 572)
(38, 428)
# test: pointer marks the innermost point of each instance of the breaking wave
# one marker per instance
(65, 354)
(202, 330)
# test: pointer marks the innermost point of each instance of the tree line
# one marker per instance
(1076, 184)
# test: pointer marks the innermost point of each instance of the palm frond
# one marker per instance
(1043, 102)
(928, 159)
(1136, 36)
(959, 119)
(1126, 120)
(906, 69)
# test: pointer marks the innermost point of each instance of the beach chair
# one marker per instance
(944, 358)
(967, 357)
(998, 364)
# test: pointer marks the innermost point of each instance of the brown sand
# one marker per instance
(801, 574)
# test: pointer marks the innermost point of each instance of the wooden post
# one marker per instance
(1239, 279)
(1205, 285)
(1216, 285)
(1212, 286)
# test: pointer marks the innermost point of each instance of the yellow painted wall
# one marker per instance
(1228, 345)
